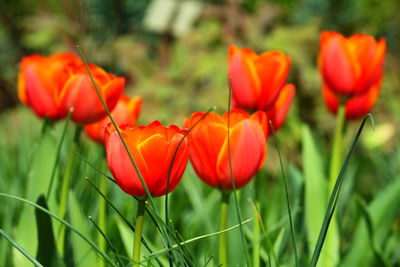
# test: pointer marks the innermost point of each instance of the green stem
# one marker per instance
(256, 236)
(337, 147)
(138, 231)
(332, 237)
(223, 260)
(102, 213)
(65, 188)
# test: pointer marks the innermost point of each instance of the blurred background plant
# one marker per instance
(174, 54)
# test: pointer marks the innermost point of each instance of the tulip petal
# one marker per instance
(247, 150)
(339, 66)
(277, 114)
(243, 78)
(272, 68)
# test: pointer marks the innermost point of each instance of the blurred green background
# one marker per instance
(174, 54)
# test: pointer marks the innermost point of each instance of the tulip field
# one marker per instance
(200, 133)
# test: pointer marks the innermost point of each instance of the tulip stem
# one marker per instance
(223, 260)
(138, 231)
(332, 241)
(337, 147)
(65, 187)
(256, 236)
(102, 213)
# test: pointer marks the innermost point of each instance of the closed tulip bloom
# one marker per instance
(351, 69)
(152, 148)
(41, 81)
(126, 112)
(259, 81)
(209, 147)
(80, 94)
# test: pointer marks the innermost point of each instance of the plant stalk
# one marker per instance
(102, 213)
(65, 187)
(138, 231)
(223, 260)
(256, 236)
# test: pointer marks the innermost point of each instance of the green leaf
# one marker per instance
(37, 182)
(83, 253)
(383, 211)
(315, 190)
(47, 252)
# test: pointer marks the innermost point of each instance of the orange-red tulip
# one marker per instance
(152, 147)
(126, 112)
(209, 147)
(351, 69)
(79, 93)
(52, 86)
(41, 80)
(259, 82)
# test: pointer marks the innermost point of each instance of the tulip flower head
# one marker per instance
(209, 147)
(351, 69)
(53, 85)
(126, 112)
(259, 82)
(153, 148)
(41, 81)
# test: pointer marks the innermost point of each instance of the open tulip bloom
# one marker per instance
(259, 83)
(53, 85)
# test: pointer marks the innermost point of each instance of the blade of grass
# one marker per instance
(115, 126)
(335, 194)
(163, 251)
(107, 240)
(72, 228)
(288, 202)
(233, 180)
(94, 167)
(23, 251)
(171, 165)
(58, 153)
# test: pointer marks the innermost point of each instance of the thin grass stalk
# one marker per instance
(137, 240)
(233, 178)
(222, 243)
(166, 206)
(256, 237)
(335, 194)
(150, 198)
(106, 240)
(53, 172)
(65, 223)
(288, 201)
(268, 242)
(65, 188)
(20, 249)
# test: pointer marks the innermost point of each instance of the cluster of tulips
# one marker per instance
(226, 151)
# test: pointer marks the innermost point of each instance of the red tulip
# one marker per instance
(152, 147)
(258, 81)
(351, 69)
(41, 81)
(209, 147)
(126, 112)
(79, 93)
(52, 86)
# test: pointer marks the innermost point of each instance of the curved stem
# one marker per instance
(223, 260)
(138, 231)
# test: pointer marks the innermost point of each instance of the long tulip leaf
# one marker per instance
(335, 194)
